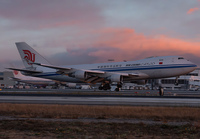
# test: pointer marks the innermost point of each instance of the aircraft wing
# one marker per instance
(25, 70)
(136, 75)
(51, 66)
(68, 70)
(93, 76)
(94, 71)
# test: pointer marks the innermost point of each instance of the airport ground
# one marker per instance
(97, 121)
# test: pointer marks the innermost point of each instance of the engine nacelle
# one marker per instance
(71, 85)
(116, 78)
(139, 82)
(80, 74)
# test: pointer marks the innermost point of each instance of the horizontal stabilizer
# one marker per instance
(25, 70)
(14, 79)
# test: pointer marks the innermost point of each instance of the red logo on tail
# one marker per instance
(29, 57)
(15, 72)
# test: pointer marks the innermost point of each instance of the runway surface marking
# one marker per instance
(134, 101)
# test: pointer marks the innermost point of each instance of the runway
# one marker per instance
(106, 100)
(91, 97)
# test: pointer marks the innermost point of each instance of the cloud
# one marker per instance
(73, 57)
(49, 13)
(190, 11)
(125, 44)
(127, 39)
(129, 45)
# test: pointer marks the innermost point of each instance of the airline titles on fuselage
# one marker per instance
(127, 65)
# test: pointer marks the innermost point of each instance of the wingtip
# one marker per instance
(19, 42)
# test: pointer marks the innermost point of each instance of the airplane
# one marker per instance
(105, 73)
(41, 82)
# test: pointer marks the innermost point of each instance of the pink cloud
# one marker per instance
(131, 45)
(192, 10)
(119, 44)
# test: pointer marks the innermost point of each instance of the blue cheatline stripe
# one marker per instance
(146, 67)
(171, 66)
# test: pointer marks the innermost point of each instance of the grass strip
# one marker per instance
(99, 112)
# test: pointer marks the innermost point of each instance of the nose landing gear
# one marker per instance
(176, 81)
(161, 91)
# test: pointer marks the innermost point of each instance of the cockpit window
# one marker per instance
(180, 58)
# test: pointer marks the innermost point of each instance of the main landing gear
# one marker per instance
(104, 86)
(119, 85)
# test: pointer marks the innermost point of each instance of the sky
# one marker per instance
(69, 32)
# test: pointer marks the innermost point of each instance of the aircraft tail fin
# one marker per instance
(16, 74)
(29, 56)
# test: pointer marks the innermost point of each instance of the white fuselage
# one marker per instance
(149, 68)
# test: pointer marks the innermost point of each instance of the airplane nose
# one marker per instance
(194, 66)
(191, 66)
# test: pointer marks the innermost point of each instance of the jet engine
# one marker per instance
(116, 78)
(139, 82)
(71, 85)
(79, 74)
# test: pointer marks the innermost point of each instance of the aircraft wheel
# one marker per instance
(106, 86)
(100, 87)
(176, 83)
(119, 86)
